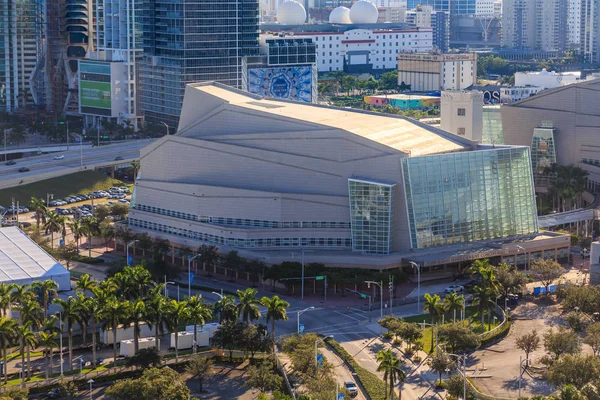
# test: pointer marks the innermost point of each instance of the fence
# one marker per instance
(285, 378)
(499, 328)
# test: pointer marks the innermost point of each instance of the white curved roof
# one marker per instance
(364, 12)
(340, 15)
(291, 13)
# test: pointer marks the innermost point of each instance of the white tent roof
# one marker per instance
(23, 261)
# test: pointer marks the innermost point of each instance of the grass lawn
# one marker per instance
(79, 182)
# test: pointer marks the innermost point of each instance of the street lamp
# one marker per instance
(380, 284)
(527, 259)
(91, 382)
(418, 268)
(317, 349)
(300, 313)
(221, 298)
(190, 274)
(60, 344)
(302, 262)
(127, 249)
(464, 372)
(167, 126)
(168, 283)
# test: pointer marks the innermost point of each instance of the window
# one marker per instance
(461, 112)
(460, 132)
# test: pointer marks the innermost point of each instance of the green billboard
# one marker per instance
(94, 94)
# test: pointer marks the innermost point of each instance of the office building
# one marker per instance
(574, 24)
(590, 30)
(438, 21)
(209, 46)
(484, 8)
(454, 7)
(569, 116)
(595, 263)
(461, 113)
(22, 38)
(358, 48)
(546, 79)
(516, 93)
(268, 177)
(435, 72)
(286, 69)
(552, 33)
(395, 13)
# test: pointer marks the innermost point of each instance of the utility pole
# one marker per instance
(391, 287)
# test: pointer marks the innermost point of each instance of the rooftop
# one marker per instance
(406, 135)
(403, 96)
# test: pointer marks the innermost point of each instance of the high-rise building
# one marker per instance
(455, 7)
(590, 30)
(438, 21)
(187, 41)
(22, 38)
(461, 113)
(574, 23)
(436, 72)
(535, 24)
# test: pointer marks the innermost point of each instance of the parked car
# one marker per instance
(11, 162)
(23, 169)
(454, 288)
(118, 158)
(59, 157)
(124, 201)
(351, 388)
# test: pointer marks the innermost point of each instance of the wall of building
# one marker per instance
(546, 79)
(426, 72)
(462, 114)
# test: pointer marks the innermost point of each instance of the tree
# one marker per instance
(176, 313)
(107, 232)
(101, 212)
(201, 368)
(155, 311)
(54, 223)
(440, 363)
(114, 313)
(458, 336)
(528, 342)
(90, 228)
(48, 291)
(155, 384)
(48, 340)
(209, 255)
(27, 339)
(455, 386)
(454, 302)
(40, 209)
(119, 210)
(254, 339)
(577, 370)
(349, 83)
(227, 309)
(563, 341)
(77, 230)
(68, 252)
(409, 332)
(229, 337)
(135, 318)
(546, 271)
(85, 284)
(69, 318)
(248, 306)
(145, 358)
(388, 80)
(135, 164)
(197, 313)
(391, 368)
(95, 307)
(511, 280)
(483, 299)
(276, 311)
(8, 333)
(435, 308)
(6, 290)
(84, 313)
(592, 337)
(263, 377)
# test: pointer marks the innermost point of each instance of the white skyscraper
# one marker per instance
(574, 23)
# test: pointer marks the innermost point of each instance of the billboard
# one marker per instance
(290, 83)
(95, 94)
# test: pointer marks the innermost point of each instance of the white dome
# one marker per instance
(291, 13)
(364, 12)
(340, 15)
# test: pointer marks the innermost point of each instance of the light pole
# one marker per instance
(127, 249)
(5, 153)
(380, 284)
(302, 262)
(48, 197)
(167, 283)
(317, 349)
(221, 298)
(91, 382)
(418, 268)
(527, 259)
(167, 126)
(464, 373)
(62, 372)
(299, 314)
(190, 274)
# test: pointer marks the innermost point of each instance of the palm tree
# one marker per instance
(85, 284)
(227, 309)
(135, 164)
(176, 312)
(6, 290)
(209, 254)
(69, 317)
(47, 290)
(48, 340)
(155, 311)
(27, 339)
(8, 331)
(113, 314)
(77, 230)
(54, 223)
(32, 315)
(84, 314)
(107, 231)
(95, 307)
(391, 368)
(40, 209)
(137, 316)
(90, 229)
(198, 314)
(276, 311)
(435, 308)
(483, 298)
(454, 302)
(247, 308)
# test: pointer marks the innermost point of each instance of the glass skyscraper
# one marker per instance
(471, 196)
(187, 41)
(543, 156)
(455, 7)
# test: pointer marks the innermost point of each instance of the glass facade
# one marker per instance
(543, 155)
(470, 196)
(371, 216)
(187, 41)
(492, 125)
(455, 7)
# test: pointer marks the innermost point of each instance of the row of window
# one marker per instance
(340, 37)
(244, 243)
(244, 222)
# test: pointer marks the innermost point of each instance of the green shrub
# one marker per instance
(388, 335)
(417, 359)
(374, 386)
(397, 342)
(497, 335)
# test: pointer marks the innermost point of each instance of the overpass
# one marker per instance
(78, 158)
(588, 213)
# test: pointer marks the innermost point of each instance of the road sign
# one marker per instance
(129, 260)
(320, 360)
(340, 396)
(191, 277)
(319, 278)
(61, 243)
(301, 329)
(363, 296)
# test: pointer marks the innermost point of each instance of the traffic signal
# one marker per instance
(391, 285)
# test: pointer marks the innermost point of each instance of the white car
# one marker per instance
(59, 157)
(454, 289)
(351, 388)
(124, 201)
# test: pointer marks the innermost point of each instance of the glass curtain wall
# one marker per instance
(543, 155)
(371, 216)
(470, 196)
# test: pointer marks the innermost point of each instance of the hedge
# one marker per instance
(374, 386)
(497, 335)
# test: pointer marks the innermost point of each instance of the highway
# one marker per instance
(77, 159)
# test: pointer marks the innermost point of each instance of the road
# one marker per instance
(45, 167)
(342, 373)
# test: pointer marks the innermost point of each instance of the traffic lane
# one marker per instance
(322, 320)
(341, 371)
